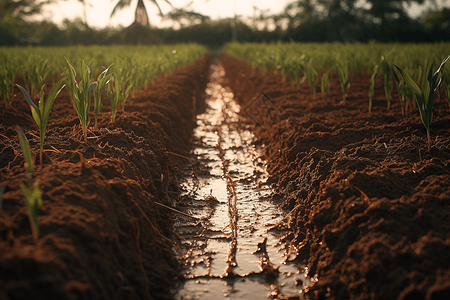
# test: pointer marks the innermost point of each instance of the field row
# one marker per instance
(131, 66)
(415, 70)
(88, 73)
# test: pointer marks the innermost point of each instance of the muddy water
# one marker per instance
(229, 246)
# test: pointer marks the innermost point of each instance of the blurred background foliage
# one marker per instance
(301, 20)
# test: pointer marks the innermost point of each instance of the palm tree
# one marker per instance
(84, 3)
(140, 15)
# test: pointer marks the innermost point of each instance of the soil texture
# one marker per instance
(102, 232)
(369, 204)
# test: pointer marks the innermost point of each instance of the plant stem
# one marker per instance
(34, 232)
(85, 134)
(41, 157)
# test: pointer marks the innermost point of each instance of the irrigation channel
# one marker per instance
(229, 246)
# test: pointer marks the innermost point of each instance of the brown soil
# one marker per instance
(102, 234)
(371, 204)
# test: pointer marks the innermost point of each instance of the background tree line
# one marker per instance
(301, 20)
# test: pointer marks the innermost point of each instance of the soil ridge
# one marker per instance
(370, 203)
(102, 234)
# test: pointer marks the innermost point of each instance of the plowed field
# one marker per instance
(367, 206)
(370, 204)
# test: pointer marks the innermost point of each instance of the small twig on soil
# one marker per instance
(54, 149)
(4, 136)
(177, 211)
(33, 135)
(148, 220)
(297, 206)
(179, 155)
(362, 193)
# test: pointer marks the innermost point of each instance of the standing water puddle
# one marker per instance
(229, 247)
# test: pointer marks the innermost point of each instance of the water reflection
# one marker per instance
(231, 253)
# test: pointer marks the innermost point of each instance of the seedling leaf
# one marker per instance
(26, 150)
(408, 80)
(92, 85)
(27, 97)
(33, 201)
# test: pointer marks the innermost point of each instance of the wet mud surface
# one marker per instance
(103, 232)
(229, 243)
(369, 204)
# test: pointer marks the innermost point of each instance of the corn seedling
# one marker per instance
(127, 92)
(80, 93)
(446, 81)
(7, 76)
(416, 75)
(343, 72)
(386, 71)
(123, 81)
(99, 92)
(404, 92)
(424, 95)
(293, 66)
(401, 89)
(324, 84)
(41, 113)
(311, 75)
(372, 86)
(114, 98)
(31, 192)
(35, 73)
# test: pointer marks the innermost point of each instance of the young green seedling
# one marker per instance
(80, 93)
(446, 81)
(99, 92)
(324, 84)
(123, 81)
(114, 91)
(416, 75)
(311, 74)
(7, 76)
(372, 86)
(401, 89)
(41, 113)
(31, 192)
(127, 92)
(424, 95)
(35, 73)
(343, 72)
(386, 71)
(293, 65)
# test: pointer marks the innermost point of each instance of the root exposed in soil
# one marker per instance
(101, 234)
(370, 204)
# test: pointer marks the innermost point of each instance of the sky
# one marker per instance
(98, 11)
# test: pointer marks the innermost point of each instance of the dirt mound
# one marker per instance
(371, 204)
(102, 234)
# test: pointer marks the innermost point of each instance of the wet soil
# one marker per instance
(103, 231)
(229, 239)
(369, 204)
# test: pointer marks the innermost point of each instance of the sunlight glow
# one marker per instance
(98, 12)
